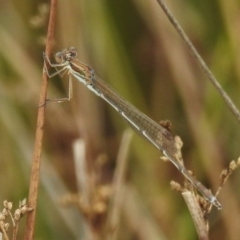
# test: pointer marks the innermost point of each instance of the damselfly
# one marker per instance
(156, 134)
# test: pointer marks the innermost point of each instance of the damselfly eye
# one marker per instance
(59, 57)
(73, 51)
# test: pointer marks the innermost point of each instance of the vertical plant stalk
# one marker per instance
(197, 215)
(200, 61)
(15, 231)
(118, 187)
(36, 160)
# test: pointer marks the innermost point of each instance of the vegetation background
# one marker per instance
(132, 46)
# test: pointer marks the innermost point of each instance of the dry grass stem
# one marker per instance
(200, 61)
(118, 187)
(81, 170)
(197, 215)
(36, 162)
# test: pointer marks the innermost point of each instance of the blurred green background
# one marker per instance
(132, 46)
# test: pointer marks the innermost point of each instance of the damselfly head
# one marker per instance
(59, 57)
(66, 55)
